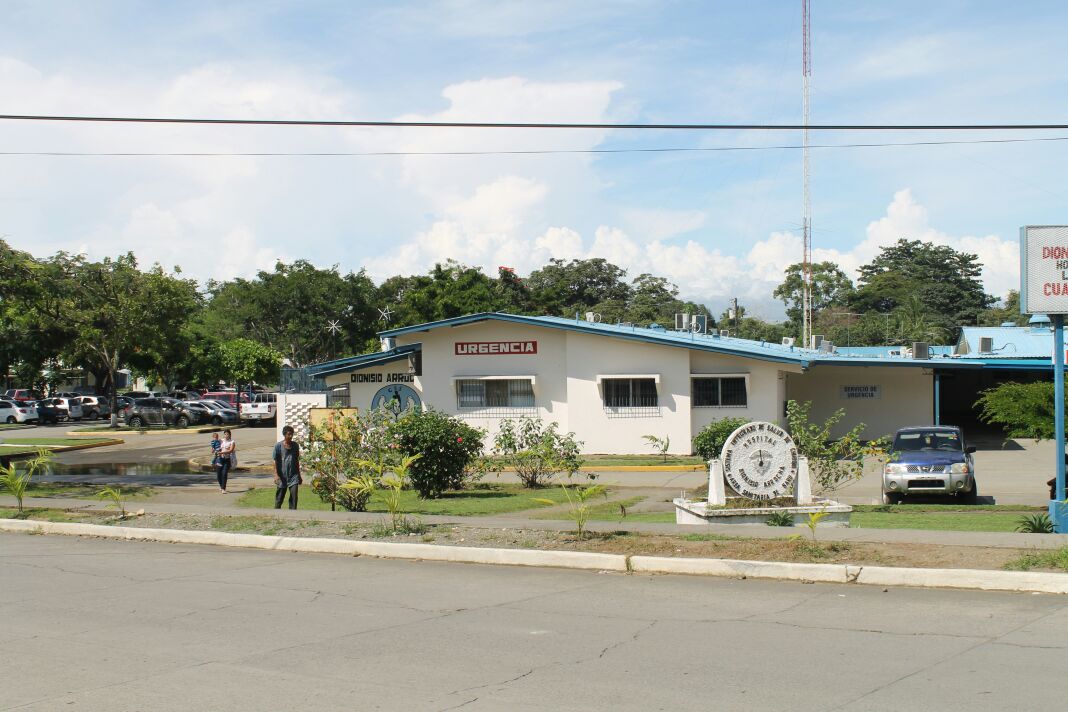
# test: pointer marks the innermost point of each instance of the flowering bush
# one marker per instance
(450, 451)
(336, 454)
(536, 450)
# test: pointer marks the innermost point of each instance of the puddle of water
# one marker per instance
(123, 469)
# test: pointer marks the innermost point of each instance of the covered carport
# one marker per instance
(957, 390)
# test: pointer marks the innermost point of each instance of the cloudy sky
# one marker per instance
(719, 223)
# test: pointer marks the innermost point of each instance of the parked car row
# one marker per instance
(146, 412)
(64, 407)
(140, 408)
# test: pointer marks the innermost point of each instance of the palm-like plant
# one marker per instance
(661, 445)
(115, 497)
(17, 483)
(578, 501)
(814, 519)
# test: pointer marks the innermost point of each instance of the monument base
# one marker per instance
(699, 513)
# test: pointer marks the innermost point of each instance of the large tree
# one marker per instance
(561, 288)
(946, 282)
(831, 287)
(292, 308)
(116, 312)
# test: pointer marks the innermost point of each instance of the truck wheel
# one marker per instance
(182, 422)
(891, 498)
(973, 496)
(216, 421)
(136, 422)
(10, 420)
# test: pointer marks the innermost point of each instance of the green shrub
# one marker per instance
(1034, 524)
(1023, 410)
(335, 452)
(780, 519)
(708, 444)
(536, 450)
(832, 462)
(450, 450)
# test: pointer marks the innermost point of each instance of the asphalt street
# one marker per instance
(104, 625)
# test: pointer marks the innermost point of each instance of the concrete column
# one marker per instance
(717, 489)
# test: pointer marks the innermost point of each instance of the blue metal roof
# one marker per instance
(942, 357)
(357, 363)
(885, 351)
(1013, 342)
(702, 342)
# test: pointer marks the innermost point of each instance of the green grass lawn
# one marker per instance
(632, 460)
(610, 512)
(939, 521)
(78, 491)
(484, 500)
(20, 446)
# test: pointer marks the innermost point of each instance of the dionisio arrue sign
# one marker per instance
(1044, 269)
(760, 461)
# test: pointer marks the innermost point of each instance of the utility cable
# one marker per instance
(258, 154)
(535, 125)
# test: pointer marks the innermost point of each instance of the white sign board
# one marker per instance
(1044, 269)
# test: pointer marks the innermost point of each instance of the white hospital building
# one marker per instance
(611, 384)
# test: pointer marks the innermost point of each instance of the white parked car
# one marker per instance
(73, 406)
(260, 410)
(12, 412)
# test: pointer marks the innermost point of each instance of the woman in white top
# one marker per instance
(227, 459)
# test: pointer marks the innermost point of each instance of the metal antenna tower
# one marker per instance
(806, 218)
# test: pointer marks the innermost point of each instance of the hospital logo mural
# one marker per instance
(396, 399)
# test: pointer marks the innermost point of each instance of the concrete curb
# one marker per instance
(385, 550)
(1012, 581)
(105, 442)
(200, 430)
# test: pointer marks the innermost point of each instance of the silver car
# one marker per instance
(930, 460)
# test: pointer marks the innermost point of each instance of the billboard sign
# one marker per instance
(1044, 269)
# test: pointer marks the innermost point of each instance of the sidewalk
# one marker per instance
(1001, 540)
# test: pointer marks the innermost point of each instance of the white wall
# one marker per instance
(906, 396)
(441, 365)
(601, 432)
(292, 409)
(767, 388)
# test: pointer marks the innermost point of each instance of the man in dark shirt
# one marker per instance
(286, 469)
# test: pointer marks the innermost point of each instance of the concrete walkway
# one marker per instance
(1007, 540)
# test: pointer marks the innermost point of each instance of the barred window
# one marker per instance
(494, 393)
(719, 391)
(630, 393)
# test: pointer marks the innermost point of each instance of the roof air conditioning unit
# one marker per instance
(921, 350)
(817, 339)
(593, 317)
(826, 347)
(724, 332)
(699, 323)
(986, 344)
(788, 341)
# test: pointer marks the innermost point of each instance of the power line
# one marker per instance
(547, 151)
(533, 125)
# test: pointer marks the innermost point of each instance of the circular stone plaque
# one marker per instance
(760, 461)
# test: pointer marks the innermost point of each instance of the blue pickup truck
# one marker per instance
(930, 460)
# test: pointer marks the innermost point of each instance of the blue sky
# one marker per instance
(718, 223)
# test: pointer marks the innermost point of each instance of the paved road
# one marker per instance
(99, 625)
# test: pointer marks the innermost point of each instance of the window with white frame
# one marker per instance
(630, 393)
(720, 391)
(494, 393)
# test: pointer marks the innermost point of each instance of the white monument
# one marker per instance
(759, 461)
